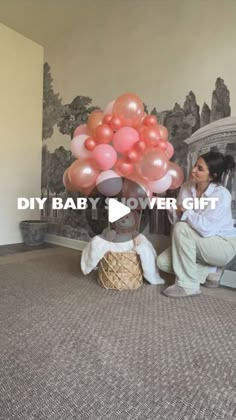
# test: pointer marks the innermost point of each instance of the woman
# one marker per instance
(202, 239)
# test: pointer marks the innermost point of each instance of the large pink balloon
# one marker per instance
(153, 166)
(82, 174)
(177, 175)
(130, 108)
(104, 156)
(109, 183)
(77, 147)
(160, 185)
(81, 129)
(124, 139)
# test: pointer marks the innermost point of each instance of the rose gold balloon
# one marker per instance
(150, 120)
(133, 155)
(151, 135)
(103, 134)
(124, 167)
(90, 144)
(130, 107)
(82, 174)
(153, 165)
(162, 145)
(116, 123)
(95, 119)
(107, 119)
(141, 146)
(67, 183)
(177, 175)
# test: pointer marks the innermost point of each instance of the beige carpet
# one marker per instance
(72, 350)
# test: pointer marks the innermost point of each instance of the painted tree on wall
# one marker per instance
(53, 166)
(181, 122)
(52, 107)
(74, 114)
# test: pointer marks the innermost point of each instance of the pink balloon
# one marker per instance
(109, 107)
(80, 129)
(124, 139)
(104, 156)
(109, 183)
(170, 150)
(160, 185)
(130, 108)
(78, 149)
(153, 166)
(82, 174)
(163, 132)
(177, 175)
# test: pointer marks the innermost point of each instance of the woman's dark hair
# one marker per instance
(218, 164)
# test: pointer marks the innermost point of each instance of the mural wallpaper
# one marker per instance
(191, 131)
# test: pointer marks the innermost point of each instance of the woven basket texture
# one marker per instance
(120, 271)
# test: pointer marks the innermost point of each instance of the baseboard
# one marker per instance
(67, 242)
(228, 279)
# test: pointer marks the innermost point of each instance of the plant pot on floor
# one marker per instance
(33, 231)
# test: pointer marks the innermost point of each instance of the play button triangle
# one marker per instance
(116, 210)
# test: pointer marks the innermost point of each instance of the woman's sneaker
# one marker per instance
(213, 279)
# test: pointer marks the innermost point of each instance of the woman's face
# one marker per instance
(200, 172)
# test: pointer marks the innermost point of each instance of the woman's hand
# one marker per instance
(180, 210)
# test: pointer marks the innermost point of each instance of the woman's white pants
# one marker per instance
(190, 255)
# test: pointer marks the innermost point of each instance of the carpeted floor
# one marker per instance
(72, 350)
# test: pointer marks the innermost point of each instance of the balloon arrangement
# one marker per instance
(122, 142)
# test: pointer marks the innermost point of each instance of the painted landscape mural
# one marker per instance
(191, 131)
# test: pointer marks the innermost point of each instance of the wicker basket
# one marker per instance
(120, 271)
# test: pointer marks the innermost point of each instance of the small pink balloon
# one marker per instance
(77, 147)
(82, 174)
(104, 156)
(160, 185)
(124, 139)
(153, 165)
(80, 129)
(177, 175)
(109, 183)
(163, 132)
(170, 150)
(108, 108)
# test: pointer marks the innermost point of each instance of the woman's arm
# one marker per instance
(210, 221)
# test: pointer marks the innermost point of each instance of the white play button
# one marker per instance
(116, 210)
